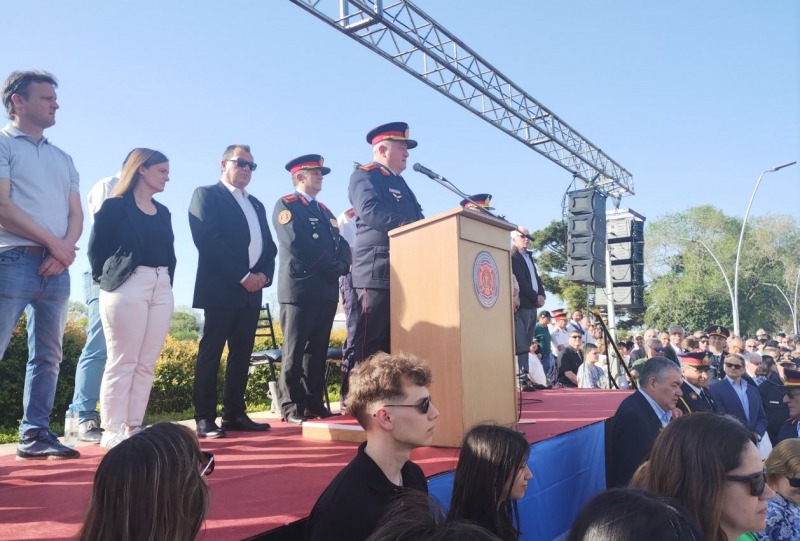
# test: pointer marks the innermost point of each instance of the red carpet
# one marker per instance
(261, 482)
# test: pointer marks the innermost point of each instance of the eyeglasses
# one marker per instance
(208, 463)
(704, 341)
(241, 162)
(794, 482)
(792, 394)
(423, 406)
(757, 481)
(733, 366)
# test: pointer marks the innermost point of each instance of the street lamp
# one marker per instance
(739, 248)
(722, 270)
(792, 310)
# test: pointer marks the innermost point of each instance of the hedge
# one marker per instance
(172, 386)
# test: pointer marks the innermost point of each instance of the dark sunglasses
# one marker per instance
(733, 366)
(240, 162)
(423, 406)
(794, 482)
(208, 463)
(757, 481)
(659, 350)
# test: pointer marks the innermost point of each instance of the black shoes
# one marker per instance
(318, 414)
(244, 424)
(209, 429)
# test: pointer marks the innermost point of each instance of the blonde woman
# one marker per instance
(132, 255)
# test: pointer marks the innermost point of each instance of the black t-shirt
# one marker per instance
(569, 362)
(155, 239)
(350, 508)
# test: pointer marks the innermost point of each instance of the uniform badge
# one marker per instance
(315, 236)
(334, 223)
(396, 193)
(693, 395)
(284, 217)
(290, 198)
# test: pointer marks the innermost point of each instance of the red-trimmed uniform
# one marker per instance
(312, 256)
(696, 399)
(382, 201)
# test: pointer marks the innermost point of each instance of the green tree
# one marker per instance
(184, 326)
(688, 288)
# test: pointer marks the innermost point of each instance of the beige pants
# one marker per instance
(136, 318)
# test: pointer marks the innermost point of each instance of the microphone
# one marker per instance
(427, 172)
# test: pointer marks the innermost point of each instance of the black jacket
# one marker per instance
(116, 243)
(528, 298)
(222, 236)
(629, 437)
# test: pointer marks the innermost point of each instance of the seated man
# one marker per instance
(639, 419)
(390, 399)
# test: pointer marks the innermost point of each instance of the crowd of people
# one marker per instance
(686, 448)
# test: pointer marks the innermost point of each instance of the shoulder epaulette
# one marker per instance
(368, 167)
(291, 198)
(385, 171)
(350, 213)
(322, 206)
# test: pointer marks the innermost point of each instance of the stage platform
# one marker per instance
(265, 481)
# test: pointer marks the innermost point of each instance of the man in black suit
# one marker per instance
(313, 256)
(531, 296)
(639, 419)
(674, 348)
(237, 260)
(790, 428)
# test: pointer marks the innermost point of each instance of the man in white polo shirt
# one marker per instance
(40, 222)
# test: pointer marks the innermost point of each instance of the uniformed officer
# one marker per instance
(382, 201)
(717, 341)
(312, 257)
(347, 228)
(695, 367)
(791, 428)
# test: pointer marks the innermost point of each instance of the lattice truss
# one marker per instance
(405, 35)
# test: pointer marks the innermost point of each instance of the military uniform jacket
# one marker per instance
(691, 402)
(310, 249)
(382, 202)
(787, 431)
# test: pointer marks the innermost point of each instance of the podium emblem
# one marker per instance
(485, 280)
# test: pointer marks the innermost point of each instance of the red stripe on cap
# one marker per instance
(400, 135)
(307, 165)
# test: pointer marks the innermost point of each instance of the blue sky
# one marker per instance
(695, 99)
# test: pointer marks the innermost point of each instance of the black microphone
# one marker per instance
(425, 171)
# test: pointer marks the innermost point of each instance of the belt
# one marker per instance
(33, 250)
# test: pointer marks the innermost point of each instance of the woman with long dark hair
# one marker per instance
(132, 255)
(150, 487)
(492, 474)
(710, 464)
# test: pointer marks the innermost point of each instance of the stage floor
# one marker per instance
(262, 481)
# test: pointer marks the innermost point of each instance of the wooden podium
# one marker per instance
(451, 305)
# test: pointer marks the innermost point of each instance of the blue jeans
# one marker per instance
(45, 303)
(89, 372)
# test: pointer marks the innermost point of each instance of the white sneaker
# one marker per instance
(132, 431)
(110, 439)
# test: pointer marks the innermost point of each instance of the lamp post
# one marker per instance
(796, 285)
(792, 309)
(721, 269)
(739, 247)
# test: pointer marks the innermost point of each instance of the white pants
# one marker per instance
(136, 318)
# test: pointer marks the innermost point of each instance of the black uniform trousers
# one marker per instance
(306, 332)
(372, 323)
(349, 304)
(237, 327)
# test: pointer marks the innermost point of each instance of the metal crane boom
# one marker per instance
(405, 35)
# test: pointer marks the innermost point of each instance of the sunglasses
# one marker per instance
(208, 463)
(240, 162)
(423, 406)
(733, 366)
(794, 482)
(659, 350)
(757, 481)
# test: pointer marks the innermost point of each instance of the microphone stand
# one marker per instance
(450, 186)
